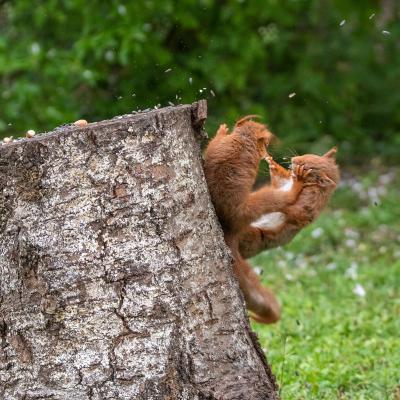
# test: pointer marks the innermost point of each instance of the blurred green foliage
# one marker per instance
(61, 60)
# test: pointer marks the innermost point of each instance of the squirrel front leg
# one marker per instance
(222, 132)
(279, 175)
(269, 199)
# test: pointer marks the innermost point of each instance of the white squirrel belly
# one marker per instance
(270, 220)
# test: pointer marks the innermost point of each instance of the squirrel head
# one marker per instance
(257, 131)
(320, 165)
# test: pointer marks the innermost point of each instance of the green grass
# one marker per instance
(331, 342)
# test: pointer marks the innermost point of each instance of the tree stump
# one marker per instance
(115, 279)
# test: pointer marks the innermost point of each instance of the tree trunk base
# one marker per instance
(116, 282)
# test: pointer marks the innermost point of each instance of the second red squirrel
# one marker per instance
(277, 229)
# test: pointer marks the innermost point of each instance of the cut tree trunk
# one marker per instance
(115, 279)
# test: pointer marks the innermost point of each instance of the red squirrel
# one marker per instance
(231, 166)
(278, 228)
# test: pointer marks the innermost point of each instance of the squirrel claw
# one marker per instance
(299, 172)
(223, 128)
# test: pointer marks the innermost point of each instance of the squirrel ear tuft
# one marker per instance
(331, 153)
(242, 120)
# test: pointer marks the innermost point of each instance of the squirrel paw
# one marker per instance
(273, 165)
(223, 129)
(300, 173)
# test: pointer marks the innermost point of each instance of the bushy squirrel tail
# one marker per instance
(262, 303)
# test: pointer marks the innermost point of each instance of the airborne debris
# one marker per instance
(372, 16)
(343, 22)
(190, 80)
(386, 33)
(212, 93)
(292, 95)
(168, 70)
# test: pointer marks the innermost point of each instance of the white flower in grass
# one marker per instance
(338, 213)
(351, 243)
(282, 264)
(289, 255)
(351, 233)
(351, 272)
(359, 290)
(301, 263)
(289, 277)
(331, 266)
(385, 179)
(357, 186)
(382, 249)
(317, 232)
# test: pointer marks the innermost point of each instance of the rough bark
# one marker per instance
(115, 279)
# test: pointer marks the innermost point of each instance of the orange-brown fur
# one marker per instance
(318, 188)
(231, 165)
